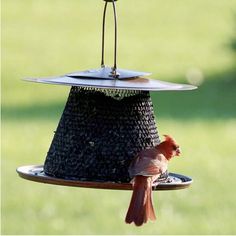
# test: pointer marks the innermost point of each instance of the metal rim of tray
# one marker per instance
(36, 173)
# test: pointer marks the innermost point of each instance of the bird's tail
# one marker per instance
(141, 207)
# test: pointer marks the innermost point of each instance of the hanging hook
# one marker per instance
(114, 68)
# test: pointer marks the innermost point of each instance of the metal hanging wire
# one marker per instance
(114, 68)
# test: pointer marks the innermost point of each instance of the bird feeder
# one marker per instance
(107, 120)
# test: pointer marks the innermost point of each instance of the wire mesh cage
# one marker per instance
(98, 135)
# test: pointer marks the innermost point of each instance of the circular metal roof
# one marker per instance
(100, 78)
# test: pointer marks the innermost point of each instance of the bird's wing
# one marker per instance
(147, 165)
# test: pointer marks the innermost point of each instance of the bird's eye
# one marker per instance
(175, 147)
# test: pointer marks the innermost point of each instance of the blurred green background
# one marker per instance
(185, 41)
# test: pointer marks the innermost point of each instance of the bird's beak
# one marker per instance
(178, 152)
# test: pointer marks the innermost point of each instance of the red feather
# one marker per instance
(141, 208)
(146, 167)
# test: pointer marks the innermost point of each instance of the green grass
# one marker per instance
(207, 207)
(169, 38)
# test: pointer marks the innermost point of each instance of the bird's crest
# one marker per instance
(168, 138)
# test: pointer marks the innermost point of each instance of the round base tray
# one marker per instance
(36, 173)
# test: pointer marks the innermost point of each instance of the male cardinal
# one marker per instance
(146, 167)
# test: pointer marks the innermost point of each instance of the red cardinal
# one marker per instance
(146, 167)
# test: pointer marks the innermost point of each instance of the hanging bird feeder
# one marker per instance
(107, 120)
